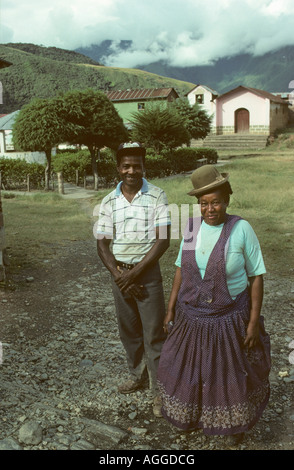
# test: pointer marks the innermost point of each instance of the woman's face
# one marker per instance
(213, 208)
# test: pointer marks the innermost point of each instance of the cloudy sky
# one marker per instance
(181, 32)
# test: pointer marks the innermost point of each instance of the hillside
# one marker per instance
(43, 72)
(270, 72)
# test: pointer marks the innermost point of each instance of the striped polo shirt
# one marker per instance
(132, 225)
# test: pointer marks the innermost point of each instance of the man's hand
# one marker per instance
(125, 283)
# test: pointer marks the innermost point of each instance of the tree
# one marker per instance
(159, 127)
(96, 121)
(197, 121)
(40, 126)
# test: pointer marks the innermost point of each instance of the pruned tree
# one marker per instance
(159, 127)
(40, 126)
(96, 121)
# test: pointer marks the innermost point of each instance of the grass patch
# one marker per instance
(35, 224)
(263, 192)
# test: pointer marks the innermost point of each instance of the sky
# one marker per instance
(181, 33)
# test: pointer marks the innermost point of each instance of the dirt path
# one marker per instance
(62, 360)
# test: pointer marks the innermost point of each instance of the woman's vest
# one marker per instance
(209, 294)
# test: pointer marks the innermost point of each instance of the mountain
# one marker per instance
(44, 72)
(271, 72)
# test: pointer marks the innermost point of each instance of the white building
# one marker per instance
(205, 97)
(6, 143)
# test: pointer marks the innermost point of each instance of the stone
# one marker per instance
(97, 431)
(9, 444)
(31, 433)
(82, 444)
(86, 363)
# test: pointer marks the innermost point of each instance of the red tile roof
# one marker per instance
(262, 93)
(144, 94)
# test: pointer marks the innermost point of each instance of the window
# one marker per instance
(200, 99)
(141, 106)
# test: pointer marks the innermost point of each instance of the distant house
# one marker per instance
(128, 102)
(205, 97)
(7, 149)
(242, 110)
(251, 111)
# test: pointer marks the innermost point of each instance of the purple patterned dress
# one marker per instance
(208, 380)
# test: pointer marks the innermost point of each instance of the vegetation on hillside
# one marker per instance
(40, 72)
(271, 72)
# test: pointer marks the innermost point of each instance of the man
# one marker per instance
(132, 234)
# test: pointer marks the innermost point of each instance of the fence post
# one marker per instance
(77, 177)
(28, 183)
(60, 182)
(2, 238)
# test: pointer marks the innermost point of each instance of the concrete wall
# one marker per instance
(279, 116)
(29, 157)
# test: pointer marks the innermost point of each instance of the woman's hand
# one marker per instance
(252, 335)
(169, 317)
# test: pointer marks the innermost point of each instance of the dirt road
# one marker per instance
(62, 361)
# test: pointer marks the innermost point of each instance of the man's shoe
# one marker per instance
(131, 386)
(157, 405)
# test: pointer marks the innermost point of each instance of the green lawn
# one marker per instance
(35, 224)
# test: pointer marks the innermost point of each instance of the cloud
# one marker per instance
(194, 32)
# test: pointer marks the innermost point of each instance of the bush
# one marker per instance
(178, 161)
(157, 166)
(69, 162)
(185, 159)
(14, 174)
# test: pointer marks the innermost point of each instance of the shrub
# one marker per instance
(177, 161)
(14, 173)
(69, 162)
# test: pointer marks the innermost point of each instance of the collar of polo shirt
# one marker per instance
(143, 189)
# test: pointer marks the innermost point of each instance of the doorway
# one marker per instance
(241, 121)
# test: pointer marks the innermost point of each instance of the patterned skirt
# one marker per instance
(208, 380)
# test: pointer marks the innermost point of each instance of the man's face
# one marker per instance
(131, 171)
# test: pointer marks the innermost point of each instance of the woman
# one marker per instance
(214, 366)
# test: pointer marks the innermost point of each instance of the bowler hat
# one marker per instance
(205, 179)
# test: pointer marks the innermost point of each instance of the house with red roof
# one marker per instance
(243, 110)
(128, 102)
